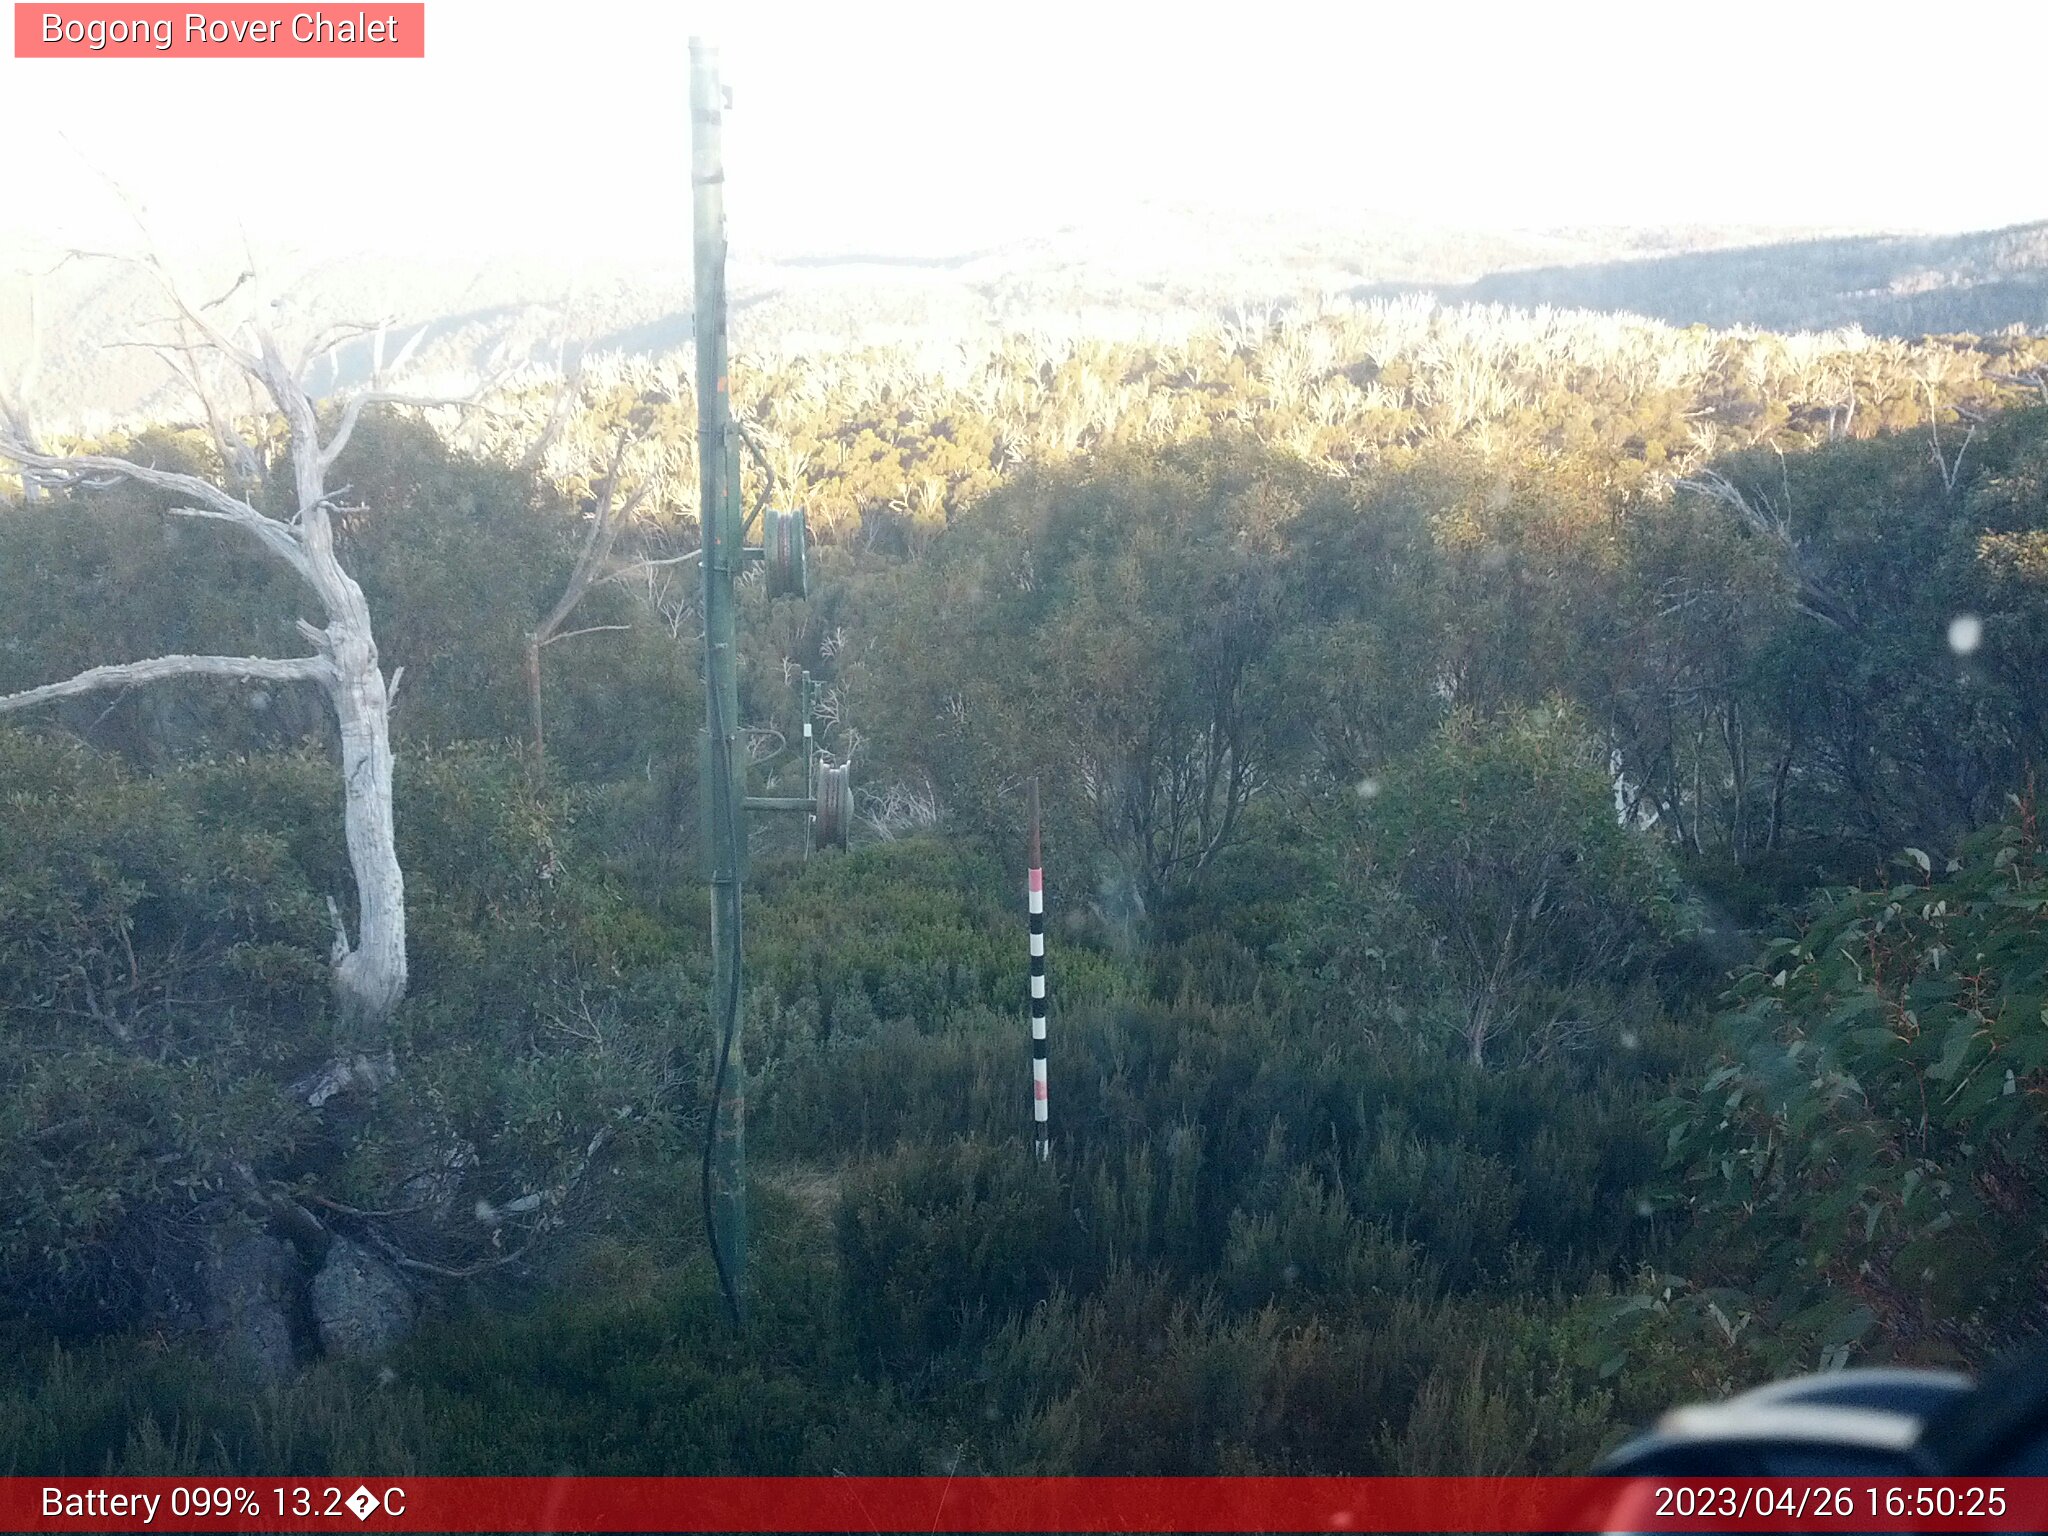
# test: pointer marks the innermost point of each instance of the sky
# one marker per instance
(560, 129)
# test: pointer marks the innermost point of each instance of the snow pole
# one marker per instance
(1035, 886)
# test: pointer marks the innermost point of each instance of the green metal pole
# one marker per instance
(723, 768)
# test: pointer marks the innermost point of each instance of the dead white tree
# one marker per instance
(1771, 522)
(1949, 469)
(369, 973)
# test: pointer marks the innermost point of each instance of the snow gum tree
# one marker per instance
(287, 507)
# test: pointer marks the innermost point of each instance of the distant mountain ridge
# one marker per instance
(1146, 266)
(1897, 285)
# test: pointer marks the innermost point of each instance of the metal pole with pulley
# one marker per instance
(722, 762)
(722, 769)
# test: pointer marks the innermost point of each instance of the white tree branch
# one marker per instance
(639, 566)
(244, 470)
(337, 335)
(240, 356)
(610, 515)
(568, 395)
(594, 629)
(213, 502)
(78, 466)
(276, 536)
(352, 413)
(130, 674)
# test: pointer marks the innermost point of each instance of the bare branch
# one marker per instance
(245, 473)
(404, 355)
(275, 536)
(548, 1203)
(152, 262)
(596, 549)
(638, 566)
(597, 546)
(1716, 486)
(194, 316)
(336, 335)
(66, 468)
(345, 1073)
(352, 413)
(2037, 380)
(216, 504)
(594, 629)
(466, 1271)
(745, 429)
(567, 397)
(245, 276)
(130, 674)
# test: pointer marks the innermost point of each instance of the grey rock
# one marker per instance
(249, 1286)
(360, 1304)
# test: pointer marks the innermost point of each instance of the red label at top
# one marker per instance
(236, 31)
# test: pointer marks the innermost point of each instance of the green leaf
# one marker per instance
(1954, 1047)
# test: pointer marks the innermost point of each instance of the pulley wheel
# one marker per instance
(782, 539)
(833, 820)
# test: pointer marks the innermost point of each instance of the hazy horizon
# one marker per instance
(533, 131)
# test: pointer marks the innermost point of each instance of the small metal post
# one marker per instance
(810, 767)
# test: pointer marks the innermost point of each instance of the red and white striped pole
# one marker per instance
(1035, 884)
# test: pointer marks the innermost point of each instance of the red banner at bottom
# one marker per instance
(1021, 1504)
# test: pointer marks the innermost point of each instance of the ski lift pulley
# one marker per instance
(834, 815)
(783, 540)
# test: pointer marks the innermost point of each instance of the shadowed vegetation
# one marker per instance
(1490, 998)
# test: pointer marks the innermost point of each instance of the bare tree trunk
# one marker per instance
(369, 979)
(370, 976)
(1737, 747)
(533, 710)
(1699, 754)
(1778, 778)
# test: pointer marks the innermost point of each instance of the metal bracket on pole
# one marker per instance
(828, 791)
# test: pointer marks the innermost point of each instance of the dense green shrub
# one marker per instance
(1865, 1158)
(162, 982)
